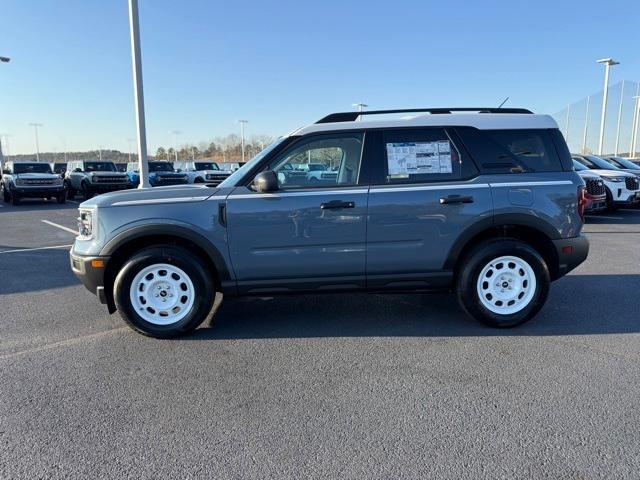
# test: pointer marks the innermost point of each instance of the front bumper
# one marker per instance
(571, 253)
(110, 187)
(92, 277)
(624, 197)
(595, 203)
(37, 192)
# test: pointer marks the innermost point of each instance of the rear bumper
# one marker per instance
(571, 253)
(92, 277)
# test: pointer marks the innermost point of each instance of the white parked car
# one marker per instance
(202, 171)
(623, 188)
(30, 180)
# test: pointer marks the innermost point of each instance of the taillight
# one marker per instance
(582, 201)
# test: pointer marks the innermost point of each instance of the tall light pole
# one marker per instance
(134, 27)
(619, 119)
(586, 126)
(634, 126)
(174, 135)
(5, 59)
(129, 142)
(6, 144)
(360, 106)
(242, 124)
(608, 62)
(566, 128)
(35, 129)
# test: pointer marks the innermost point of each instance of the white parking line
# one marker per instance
(73, 201)
(61, 227)
(19, 250)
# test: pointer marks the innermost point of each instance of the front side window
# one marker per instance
(420, 156)
(322, 161)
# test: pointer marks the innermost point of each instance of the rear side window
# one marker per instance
(512, 151)
(420, 156)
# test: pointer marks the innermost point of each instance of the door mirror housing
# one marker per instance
(77, 170)
(266, 182)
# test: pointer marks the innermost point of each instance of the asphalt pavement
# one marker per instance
(322, 386)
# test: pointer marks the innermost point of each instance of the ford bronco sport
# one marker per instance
(484, 204)
(30, 180)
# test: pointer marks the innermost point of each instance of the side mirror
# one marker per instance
(266, 182)
(6, 172)
(77, 170)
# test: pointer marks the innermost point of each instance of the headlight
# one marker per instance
(57, 181)
(614, 179)
(85, 224)
(19, 181)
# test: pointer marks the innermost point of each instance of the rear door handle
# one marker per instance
(453, 199)
(337, 204)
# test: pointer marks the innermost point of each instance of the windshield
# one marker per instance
(623, 163)
(238, 174)
(316, 167)
(160, 167)
(577, 166)
(200, 166)
(31, 168)
(99, 167)
(601, 163)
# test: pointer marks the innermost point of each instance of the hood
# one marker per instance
(168, 194)
(588, 174)
(611, 173)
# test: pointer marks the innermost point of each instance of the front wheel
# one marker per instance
(6, 196)
(164, 292)
(87, 191)
(62, 197)
(503, 283)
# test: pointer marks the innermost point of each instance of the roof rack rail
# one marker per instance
(353, 116)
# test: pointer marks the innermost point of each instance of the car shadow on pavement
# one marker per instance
(29, 205)
(577, 305)
(33, 271)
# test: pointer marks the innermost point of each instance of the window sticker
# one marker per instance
(411, 158)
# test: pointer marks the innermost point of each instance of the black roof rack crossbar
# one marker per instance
(353, 116)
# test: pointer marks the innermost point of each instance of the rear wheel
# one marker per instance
(503, 283)
(6, 196)
(62, 197)
(164, 292)
(199, 180)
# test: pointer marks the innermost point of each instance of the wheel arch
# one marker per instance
(535, 232)
(123, 245)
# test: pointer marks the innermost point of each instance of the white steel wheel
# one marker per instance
(162, 294)
(506, 285)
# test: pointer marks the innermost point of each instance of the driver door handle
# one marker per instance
(337, 204)
(453, 199)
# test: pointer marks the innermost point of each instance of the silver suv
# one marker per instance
(90, 177)
(30, 180)
(483, 204)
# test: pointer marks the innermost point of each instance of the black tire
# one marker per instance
(6, 196)
(471, 268)
(87, 192)
(202, 280)
(611, 207)
(62, 197)
(15, 199)
(198, 180)
(71, 193)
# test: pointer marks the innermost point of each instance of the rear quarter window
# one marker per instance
(512, 151)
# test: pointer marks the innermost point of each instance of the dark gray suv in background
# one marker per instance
(482, 202)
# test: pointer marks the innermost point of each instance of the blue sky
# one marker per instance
(282, 64)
